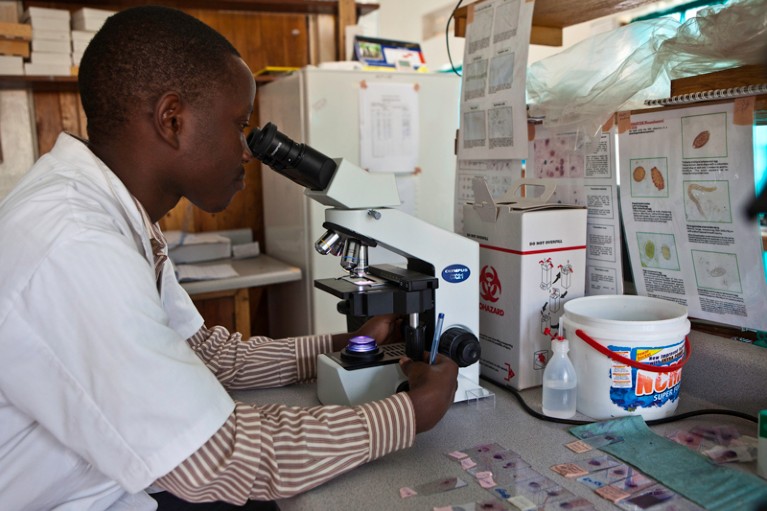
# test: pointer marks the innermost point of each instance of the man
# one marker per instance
(109, 381)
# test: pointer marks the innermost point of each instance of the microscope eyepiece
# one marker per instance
(298, 162)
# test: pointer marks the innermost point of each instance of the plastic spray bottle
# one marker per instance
(559, 382)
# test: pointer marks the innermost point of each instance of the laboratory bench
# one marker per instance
(721, 373)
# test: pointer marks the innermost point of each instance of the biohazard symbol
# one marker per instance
(509, 372)
(490, 284)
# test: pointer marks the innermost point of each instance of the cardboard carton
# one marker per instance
(15, 47)
(20, 31)
(532, 260)
(33, 69)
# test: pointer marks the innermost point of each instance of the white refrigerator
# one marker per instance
(321, 108)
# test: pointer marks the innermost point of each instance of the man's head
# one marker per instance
(167, 98)
(142, 52)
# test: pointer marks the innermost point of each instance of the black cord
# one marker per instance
(447, 37)
(655, 422)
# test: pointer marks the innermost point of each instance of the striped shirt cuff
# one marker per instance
(391, 423)
(276, 451)
(307, 350)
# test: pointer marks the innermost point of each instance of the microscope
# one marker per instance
(439, 280)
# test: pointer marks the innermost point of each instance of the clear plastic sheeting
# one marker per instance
(720, 37)
(579, 88)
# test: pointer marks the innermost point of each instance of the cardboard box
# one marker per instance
(45, 13)
(19, 48)
(11, 65)
(90, 19)
(532, 260)
(20, 31)
(51, 35)
(33, 69)
(39, 57)
(48, 46)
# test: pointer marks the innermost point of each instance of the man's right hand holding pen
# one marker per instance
(432, 388)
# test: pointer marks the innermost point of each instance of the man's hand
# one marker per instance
(432, 389)
(385, 329)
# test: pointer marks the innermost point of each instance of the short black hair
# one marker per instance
(142, 52)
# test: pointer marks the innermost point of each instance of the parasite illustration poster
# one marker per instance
(585, 174)
(686, 177)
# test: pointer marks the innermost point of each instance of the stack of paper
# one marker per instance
(85, 23)
(80, 40)
(51, 41)
(89, 19)
(195, 247)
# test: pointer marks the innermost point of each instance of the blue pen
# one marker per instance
(435, 341)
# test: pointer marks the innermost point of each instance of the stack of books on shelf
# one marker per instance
(14, 46)
(51, 53)
(48, 41)
(85, 23)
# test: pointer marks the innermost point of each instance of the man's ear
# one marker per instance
(168, 118)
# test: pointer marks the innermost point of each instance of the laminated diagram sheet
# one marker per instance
(492, 140)
(686, 175)
(585, 175)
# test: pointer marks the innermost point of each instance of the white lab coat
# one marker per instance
(99, 393)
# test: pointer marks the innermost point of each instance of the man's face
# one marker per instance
(211, 171)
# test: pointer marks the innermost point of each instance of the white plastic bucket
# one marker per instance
(649, 333)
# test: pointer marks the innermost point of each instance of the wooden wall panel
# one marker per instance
(56, 112)
(262, 40)
(47, 119)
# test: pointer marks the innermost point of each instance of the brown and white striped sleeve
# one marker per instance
(276, 451)
(258, 362)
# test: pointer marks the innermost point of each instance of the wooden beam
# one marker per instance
(40, 83)
(346, 17)
(734, 77)
(546, 36)
(556, 14)
(281, 6)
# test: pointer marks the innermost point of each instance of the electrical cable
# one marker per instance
(447, 37)
(655, 422)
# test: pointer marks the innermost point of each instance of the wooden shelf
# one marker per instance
(725, 79)
(275, 6)
(734, 77)
(551, 16)
(65, 83)
(39, 83)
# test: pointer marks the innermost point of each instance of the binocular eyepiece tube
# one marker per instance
(298, 162)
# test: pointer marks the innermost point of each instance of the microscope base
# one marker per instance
(337, 385)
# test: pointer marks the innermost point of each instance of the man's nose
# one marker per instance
(247, 155)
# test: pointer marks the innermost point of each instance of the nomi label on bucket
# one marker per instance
(633, 388)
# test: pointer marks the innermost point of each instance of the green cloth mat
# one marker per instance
(715, 487)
